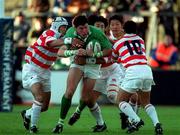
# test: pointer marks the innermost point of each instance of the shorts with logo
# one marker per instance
(138, 77)
(110, 75)
(32, 74)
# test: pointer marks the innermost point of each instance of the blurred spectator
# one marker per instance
(60, 6)
(121, 5)
(21, 29)
(38, 26)
(38, 6)
(165, 55)
(138, 5)
(78, 6)
(165, 20)
(130, 5)
(177, 5)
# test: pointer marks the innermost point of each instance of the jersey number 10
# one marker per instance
(136, 45)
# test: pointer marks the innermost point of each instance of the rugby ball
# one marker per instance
(94, 45)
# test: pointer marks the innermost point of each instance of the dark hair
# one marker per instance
(92, 19)
(79, 20)
(116, 17)
(130, 27)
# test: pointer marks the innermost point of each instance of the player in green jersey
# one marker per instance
(89, 72)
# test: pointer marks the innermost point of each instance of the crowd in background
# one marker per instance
(35, 16)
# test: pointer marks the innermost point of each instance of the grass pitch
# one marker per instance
(11, 123)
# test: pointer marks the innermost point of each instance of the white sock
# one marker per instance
(127, 109)
(28, 112)
(96, 112)
(36, 110)
(151, 111)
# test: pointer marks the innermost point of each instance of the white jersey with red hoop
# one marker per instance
(41, 55)
(130, 50)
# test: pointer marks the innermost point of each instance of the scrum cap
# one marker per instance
(57, 22)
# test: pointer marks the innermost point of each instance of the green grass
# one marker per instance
(11, 123)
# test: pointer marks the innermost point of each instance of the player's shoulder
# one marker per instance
(121, 40)
(49, 32)
(70, 32)
(140, 38)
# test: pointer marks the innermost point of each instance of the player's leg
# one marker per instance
(87, 93)
(34, 113)
(37, 91)
(144, 95)
(95, 94)
(46, 100)
(134, 102)
(31, 80)
(82, 104)
(25, 82)
(125, 107)
(151, 111)
(74, 77)
(76, 115)
(112, 94)
(113, 82)
(129, 86)
(123, 98)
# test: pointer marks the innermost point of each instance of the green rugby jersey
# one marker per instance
(94, 33)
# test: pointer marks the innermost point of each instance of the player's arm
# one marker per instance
(55, 43)
(64, 52)
(69, 40)
(115, 54)
(66, 41)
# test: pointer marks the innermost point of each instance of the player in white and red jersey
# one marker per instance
(36, 72)
(116, 33)
(130, 50)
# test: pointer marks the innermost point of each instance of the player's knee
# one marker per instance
(112, 92)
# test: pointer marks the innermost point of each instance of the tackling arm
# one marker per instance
(63, 52)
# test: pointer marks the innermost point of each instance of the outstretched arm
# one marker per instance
(63, 52)
(59, 42)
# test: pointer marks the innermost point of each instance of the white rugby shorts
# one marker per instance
(91, 71)
(109, 75)
(138, 77)
(32, 74)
